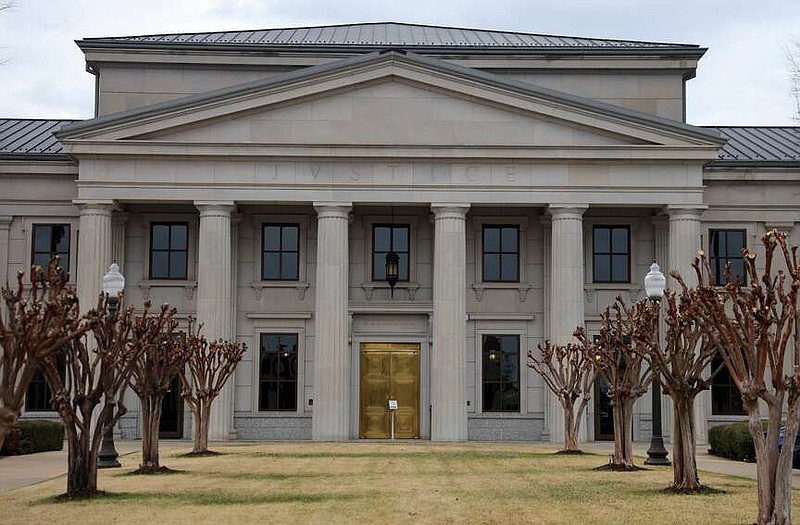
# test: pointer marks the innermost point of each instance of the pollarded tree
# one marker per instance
(209, 367)
(755, 326)
(152, 376)
(568, 371)
(89, 393)
(619, 359)
(33, 324)
(681, 364)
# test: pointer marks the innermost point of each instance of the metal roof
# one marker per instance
(763, 144)
(383, 34)
(31, 138)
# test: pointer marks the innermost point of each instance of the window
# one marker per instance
(725, 397)
(501, 373)
(724, 246)
(280, 252)
(501, 254)
(611, 254)
(38, 397)
(50, 240)
(169, 248)
(385, 239)
(278, 372)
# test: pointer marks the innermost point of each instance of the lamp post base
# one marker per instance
(657, 454)
(108, 453)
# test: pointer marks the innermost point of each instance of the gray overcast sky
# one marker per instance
(742, 80)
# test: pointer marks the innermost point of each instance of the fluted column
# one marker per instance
(449, 354)
(684, 242)
(566, 289)
(5, 230)
(214, 298)
(661, 254)
(118, 239)
(331, 417)
(547, 231)
(94, 250)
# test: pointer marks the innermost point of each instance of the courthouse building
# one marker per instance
(263, 181)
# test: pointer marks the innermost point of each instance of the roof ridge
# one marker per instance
(407, 24)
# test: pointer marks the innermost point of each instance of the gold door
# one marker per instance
(389, 371)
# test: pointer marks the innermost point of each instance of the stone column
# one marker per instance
(118, 240)
(94, 250)
(684, 242)
(661, 254)
(566, 289)
(214, 298)
(449, 354)
(5, 240)
(331, 416)
(547, 230)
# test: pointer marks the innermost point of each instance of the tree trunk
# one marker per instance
(782, 512)
(151, 418)
(684, 458)
(765, 461)
(202, 416)
(570, 430)
(623, 438)
(82, 465)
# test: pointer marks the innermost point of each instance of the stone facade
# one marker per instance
(336, 143)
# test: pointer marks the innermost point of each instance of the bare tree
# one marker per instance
(209, 367)
(755, 326)
(620, 361)
(793, 59)
(152, 376)
(33, 325)
(568, 371)
(96, 376)
(681, 364)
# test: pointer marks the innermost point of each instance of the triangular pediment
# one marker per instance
(390, 99)
(392, 112)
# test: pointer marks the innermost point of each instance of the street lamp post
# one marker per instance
(113, 285)
(654, 284)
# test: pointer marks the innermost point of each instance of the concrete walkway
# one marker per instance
(21, 471)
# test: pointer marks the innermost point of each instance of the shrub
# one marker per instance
(30, 437)
(732, 441)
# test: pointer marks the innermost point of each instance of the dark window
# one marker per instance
(169, 249)
(280, 252)
(611, 254)
(278, 372)
(385, 239)
(724, 246)
(50, 240)
(725, 397)
(501, 254)
(500, 373)
(38, 397)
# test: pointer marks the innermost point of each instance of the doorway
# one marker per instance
(603, 411)
(170, 426)
(389, 371)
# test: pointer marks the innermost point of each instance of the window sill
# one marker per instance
(521, 288)
(409, 286)
(259, 286)
(730, 418)
(273, 413)
(188, 286)
(633, 287)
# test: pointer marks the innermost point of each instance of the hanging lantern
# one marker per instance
(392, 270)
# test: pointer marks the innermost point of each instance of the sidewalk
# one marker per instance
(21, 471)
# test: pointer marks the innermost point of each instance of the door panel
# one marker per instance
(170, 426)
(389, 371)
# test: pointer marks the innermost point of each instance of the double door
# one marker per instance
(389, 378)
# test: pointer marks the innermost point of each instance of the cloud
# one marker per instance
(742, 80)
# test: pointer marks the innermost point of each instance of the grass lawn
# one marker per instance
(370, 482)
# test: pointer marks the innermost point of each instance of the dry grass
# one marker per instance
(385, 483)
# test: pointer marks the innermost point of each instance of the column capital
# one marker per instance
(660, 222)
(449, 211)
(688, 212)
(215, 208)
(333, 210)
(95, 207)
(5, 221)
(567, 211)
